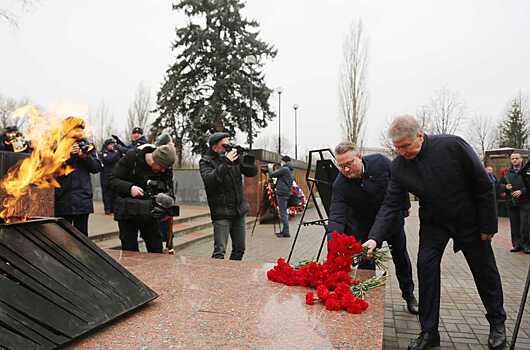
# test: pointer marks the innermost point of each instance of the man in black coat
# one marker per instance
(518, 204)
(357, 195)
(283, 191)
(109, 157)
(221, 173)
(138, 176)
(73, 200)
(456, 202)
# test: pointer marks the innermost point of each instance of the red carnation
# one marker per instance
(354, 309)
(310, 298)
(363, 304)
(322, 292)
(333, 304)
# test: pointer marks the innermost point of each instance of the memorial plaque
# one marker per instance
(56, 285)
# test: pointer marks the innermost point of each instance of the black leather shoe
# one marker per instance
(412, 306)
(286, 235)
(425, 341)
(515, 250)
(497, 337)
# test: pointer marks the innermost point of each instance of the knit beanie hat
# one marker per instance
(165, 155)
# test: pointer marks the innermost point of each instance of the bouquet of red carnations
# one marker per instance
(334, 285)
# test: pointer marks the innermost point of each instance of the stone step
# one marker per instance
(183, 237)
(176, 223)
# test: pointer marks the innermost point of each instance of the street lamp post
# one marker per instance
(250, 136)
(295, 131)
(250, 60)
(279, 90)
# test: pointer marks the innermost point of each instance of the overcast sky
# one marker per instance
(71, 55)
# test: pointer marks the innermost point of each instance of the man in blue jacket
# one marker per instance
(457, 201)
(357, 194)
(283, 191)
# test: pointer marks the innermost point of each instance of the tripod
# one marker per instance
(325, 174)
(521, 310)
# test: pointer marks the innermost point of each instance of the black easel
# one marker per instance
(521, 310)
(325, 173)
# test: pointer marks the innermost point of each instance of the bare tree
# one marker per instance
(140, 109)
(9, 105)
(385, 141)
(423, 116)
(445, 113)
(352, 83)
(101, 124)
(482, 133)
(10, 16)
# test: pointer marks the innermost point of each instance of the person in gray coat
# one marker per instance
(283, 191)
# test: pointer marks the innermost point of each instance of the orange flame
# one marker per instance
(52, 141)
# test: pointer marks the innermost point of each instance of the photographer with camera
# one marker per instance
(73, 199)
(137, 139)
(110, 155)
(221, 170)
(14, 141)
(283, 191)
(142, 180)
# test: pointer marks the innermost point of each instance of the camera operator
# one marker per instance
(109, 156)
(283, 191)
(138, 179)
(221, 169)
(73, 200)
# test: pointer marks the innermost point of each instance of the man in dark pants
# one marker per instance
(456, 202)
(132, 179)
(357, 194)
(283, 191)
(518, 204)
(221, 173)
(73, 199)
(109, 157)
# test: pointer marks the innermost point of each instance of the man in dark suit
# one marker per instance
(456, 202)
(357, 194)
(518, 204)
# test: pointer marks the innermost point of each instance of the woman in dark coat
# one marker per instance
(73, 200)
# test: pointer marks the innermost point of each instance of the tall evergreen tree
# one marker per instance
(209, 87)
(514, 128)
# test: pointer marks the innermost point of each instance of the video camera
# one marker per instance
(230, 146)
(154, 187)
(164, 205)
(243, 153)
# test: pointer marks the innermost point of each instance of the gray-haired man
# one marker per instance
(456, 202)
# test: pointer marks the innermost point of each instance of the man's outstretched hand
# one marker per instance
(371, 245)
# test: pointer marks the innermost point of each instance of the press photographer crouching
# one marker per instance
(144, 195)
(221, 170)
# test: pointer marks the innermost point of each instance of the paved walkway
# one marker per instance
(462, 326)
